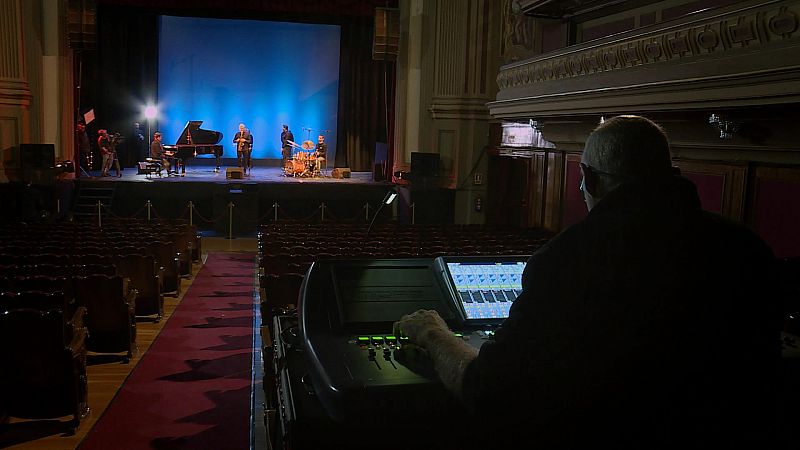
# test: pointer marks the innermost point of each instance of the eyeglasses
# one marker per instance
(585, 168)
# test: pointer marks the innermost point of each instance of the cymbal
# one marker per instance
(308, 145)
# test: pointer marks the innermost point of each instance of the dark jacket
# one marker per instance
(247, 145)
(286, 136)
(649, 324)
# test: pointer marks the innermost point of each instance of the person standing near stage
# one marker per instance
(244, 147)
(106, 150)
(157, 151)
(320, 152)
(286, 148)
(84, 149)
(137, 143)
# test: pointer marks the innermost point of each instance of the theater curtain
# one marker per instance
(366, 98)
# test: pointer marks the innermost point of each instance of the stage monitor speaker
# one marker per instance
(386, 41)
(234, 173)
(341, 172)
(37, 156)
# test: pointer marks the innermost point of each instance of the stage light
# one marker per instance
(150, 112)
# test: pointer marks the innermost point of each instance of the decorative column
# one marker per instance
(465, 66)
(15, 94)
(409, 82)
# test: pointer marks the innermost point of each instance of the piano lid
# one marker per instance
(192, 134)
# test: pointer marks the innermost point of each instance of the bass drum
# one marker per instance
(288, 168)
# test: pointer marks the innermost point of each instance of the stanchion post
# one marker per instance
(366, 214)
(230, 220)
(413, 213)
(148, 205)
(275, 208)
(99, 214)
(322, 214)
(191, 208)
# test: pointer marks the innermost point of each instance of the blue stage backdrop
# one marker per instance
(263, 74)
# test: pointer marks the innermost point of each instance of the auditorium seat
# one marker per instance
(145, 277)
(166, 257)
(110, 313)
(44, 368)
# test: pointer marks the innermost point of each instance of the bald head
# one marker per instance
(628, 147)
(621, 149)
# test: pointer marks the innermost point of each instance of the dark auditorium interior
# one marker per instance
(190, 301)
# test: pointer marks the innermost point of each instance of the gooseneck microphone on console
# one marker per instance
(387, 200)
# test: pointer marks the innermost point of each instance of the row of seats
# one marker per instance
(92, 282)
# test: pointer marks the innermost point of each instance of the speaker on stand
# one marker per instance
(386, 40)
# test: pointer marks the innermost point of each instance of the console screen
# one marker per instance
(486, 289)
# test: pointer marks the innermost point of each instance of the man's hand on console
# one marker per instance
(450, 354)
(418, 326)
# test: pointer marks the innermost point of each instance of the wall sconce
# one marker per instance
(727, 127)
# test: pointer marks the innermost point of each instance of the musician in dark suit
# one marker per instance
(157, 152)
(286, 148)
(244, 147)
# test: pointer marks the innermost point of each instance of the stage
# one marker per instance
(254, 198)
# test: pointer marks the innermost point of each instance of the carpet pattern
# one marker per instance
(192, 388)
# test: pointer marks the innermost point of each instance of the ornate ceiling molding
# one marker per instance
(753, 42)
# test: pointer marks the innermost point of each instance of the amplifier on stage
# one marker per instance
(341, 172)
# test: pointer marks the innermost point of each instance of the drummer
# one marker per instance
(321, 152)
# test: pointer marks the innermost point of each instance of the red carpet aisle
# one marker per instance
(192, 388)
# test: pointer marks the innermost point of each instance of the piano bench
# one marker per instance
(149, 167)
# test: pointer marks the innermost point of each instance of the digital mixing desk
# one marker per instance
(364, 377)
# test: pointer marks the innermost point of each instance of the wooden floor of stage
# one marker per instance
(206, 174)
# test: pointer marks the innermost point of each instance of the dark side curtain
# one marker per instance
(366, 93)
(122, 74)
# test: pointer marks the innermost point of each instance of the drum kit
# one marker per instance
(303, 162)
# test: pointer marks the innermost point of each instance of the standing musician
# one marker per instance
(321, 152)
(157, 152)
(244, 147)
(286, 148)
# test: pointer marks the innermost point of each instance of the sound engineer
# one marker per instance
(649, 324)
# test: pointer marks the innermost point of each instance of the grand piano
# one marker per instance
(196, 141)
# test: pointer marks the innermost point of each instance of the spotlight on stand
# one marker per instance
(150, 113)
(387, 200)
